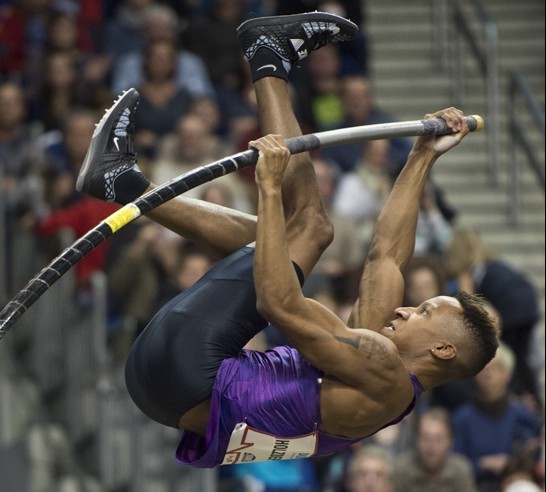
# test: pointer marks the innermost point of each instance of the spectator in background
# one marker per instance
(19, 184)
(493, 426)
(359, 108)
(238, 108)
(61, 155)
(214, 39)
(318, 90)
(369, 470)
(60, 90)
(253, 8)
(523, 485)
(65, 35)
(79, 217)
(64, 208)
(363, 191)
(432, 466)
(124, 32)
(424, 279)
(476, 269)
(162, 102)
(354, 54)
(520, 475)
(434, 232)
(191, 145)
(160, 23)
(341, 263)
(207, 109)
(22, 36)
(43, 27)
(192, 264)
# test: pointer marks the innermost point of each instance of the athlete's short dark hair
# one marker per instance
(483, 330)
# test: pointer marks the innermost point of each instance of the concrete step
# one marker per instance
(507, 239)
(408, 84)
(487, 210)
(494, 222)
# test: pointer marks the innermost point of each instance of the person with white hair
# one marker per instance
(369, 470)
(494, 426)
(522, 486)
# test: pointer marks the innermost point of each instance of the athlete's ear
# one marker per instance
(444, 350)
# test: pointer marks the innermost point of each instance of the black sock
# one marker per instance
(265, 63)
(130, 185)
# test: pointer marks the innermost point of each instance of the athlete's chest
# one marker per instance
(350, 412)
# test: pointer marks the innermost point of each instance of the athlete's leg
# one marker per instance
(217, 229)
(110, 172)
(309, 230)
(272, 46)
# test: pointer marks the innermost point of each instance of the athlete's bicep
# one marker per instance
(381, 292)
(328, 344)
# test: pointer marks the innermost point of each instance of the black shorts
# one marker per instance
(172, 365)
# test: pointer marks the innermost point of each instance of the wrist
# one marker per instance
(423, 152)
(269, 188)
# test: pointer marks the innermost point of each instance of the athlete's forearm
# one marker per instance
(395, 230)
(276, 282)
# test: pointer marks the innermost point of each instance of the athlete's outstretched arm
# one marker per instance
(393, 242)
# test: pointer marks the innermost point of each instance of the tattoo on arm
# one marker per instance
(355, 342)
(370, 346)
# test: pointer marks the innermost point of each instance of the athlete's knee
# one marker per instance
(315, 225)
(325, 230)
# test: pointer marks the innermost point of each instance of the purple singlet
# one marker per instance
(265, 406)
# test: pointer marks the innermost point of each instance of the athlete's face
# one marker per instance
(420, 328)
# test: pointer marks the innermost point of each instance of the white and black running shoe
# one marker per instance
(294, 37)
(111, 153)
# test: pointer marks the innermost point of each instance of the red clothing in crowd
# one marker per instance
(81, 218)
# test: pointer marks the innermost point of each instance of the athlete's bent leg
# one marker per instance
(110, 172)
(272, 46)
(309, 230)
(219, 230)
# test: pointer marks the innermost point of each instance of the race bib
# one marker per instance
(248, 445)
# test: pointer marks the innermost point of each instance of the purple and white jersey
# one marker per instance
(265, 406)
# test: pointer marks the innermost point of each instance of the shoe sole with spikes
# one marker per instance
(293, 37)
(111, 151)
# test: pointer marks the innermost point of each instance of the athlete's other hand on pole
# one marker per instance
(440, 144)
(273, 160)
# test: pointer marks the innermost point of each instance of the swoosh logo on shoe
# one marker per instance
(273, 67)
(116, 143)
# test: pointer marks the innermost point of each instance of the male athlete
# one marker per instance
(339, 383)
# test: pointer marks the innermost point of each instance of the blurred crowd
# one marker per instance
(62, 62)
